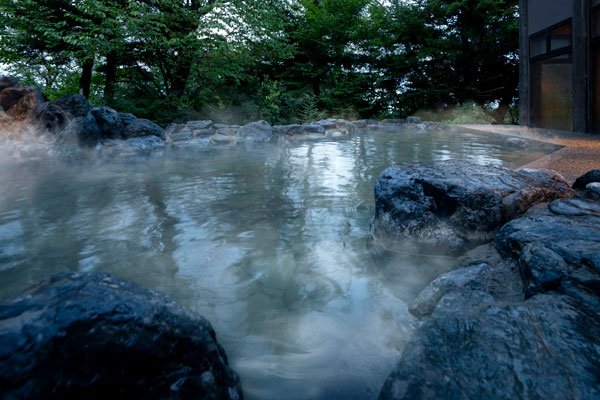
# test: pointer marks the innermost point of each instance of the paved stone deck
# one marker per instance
(581, 152)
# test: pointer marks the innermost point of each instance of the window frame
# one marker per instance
(547, 34)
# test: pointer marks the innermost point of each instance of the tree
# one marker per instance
(447, 52)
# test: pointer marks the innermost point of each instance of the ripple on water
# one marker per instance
(269, 244)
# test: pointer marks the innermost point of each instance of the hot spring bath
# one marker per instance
(268, 243)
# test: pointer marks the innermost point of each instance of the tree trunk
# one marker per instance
(508, 94)
(181, 77)
(110, 78)
(85, 81)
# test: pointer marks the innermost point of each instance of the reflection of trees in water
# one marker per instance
(71, 219)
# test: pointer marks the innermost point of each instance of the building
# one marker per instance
(560, 64)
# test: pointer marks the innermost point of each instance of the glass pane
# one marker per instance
(537, 46)
(560, 37)
(596, 23)
(552, 93)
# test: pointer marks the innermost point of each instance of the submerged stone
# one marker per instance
(97, 336)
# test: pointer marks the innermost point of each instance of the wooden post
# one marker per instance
(524, 79)
(581, 66)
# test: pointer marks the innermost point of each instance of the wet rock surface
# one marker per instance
(74, 104)
(256, 132)
(524, 324)
(142, 127)
(82, 130)
(586, 179)
(450, 207)
(108, 120)
(96, 336)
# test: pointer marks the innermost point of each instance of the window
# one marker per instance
(552, 93)
(537, 45)
(560, 37)
(551, 42)
(551, 85)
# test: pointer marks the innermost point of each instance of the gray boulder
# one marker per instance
(295, 129)
(73, 104)
(575, 207)
(392, 122)
(556, 248)
(449, 207)
(143, 145)
(542, 348)
(255, 132)
(327, 124)
(50, 117)
(594, 187)
(80, 130)
(142, 127)
(97, 336)
(219, 139)
(586, 179)
(199, 125)
(229, 130)
(178, 132)
(127, 119)
(460, 278)
(108, 120)
(414, 120)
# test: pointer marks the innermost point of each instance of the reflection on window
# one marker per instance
(560, 37)
(537, 46)
(552, 93)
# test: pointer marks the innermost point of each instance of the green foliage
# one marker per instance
(309, 110)
(237, 60)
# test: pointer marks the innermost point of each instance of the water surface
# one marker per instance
(268, 243)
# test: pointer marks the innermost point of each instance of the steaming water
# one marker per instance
(268, 243)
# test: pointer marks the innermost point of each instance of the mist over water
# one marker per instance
(268, 243)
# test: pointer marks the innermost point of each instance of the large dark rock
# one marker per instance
(108, 120)
(539, 339)
(142, 127)
(96, 336)
(558, 249)
(255, 132)
(127, 119)
(142, 145)
(295, 129)
(83, 131)
(544, 348)
(8, 82)
(50, 117)
(586, 179)
(73, 104)
(449, 207)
